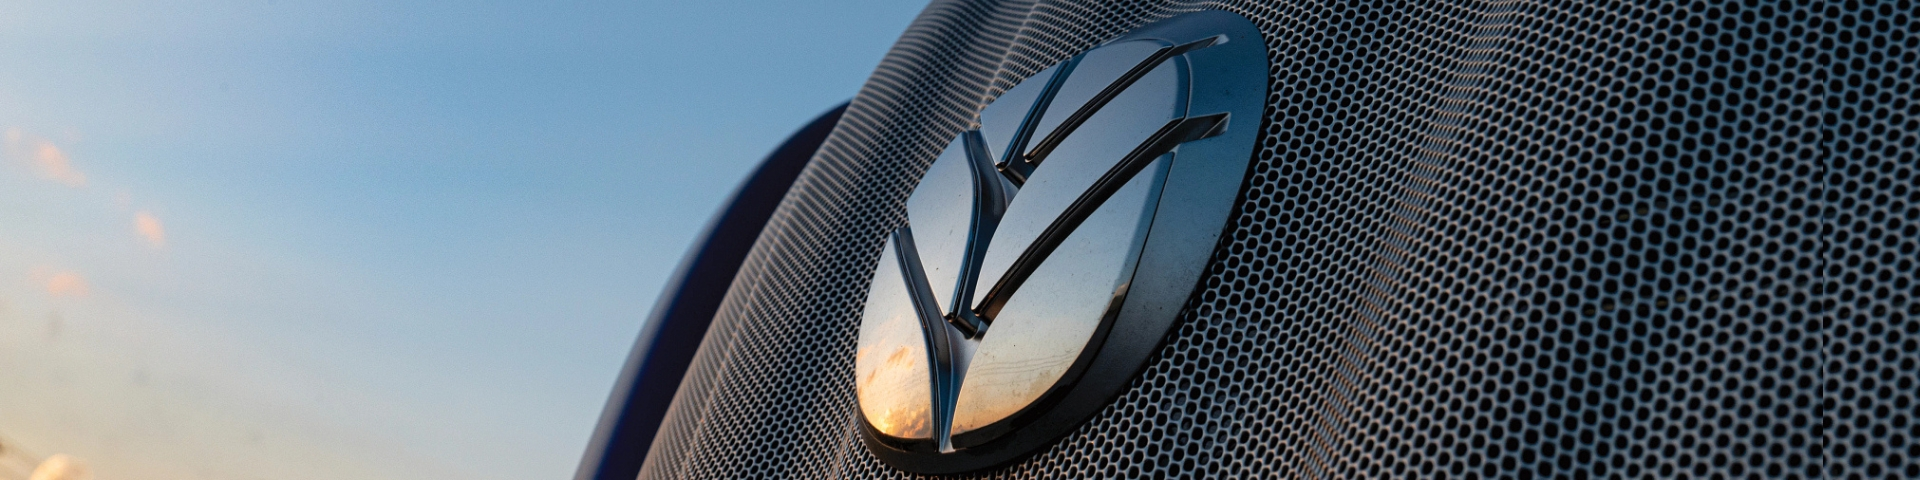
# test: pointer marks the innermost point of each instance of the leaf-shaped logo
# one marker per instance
(1024, 236)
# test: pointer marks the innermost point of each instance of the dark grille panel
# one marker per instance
(1482, 238)
(1872, 222)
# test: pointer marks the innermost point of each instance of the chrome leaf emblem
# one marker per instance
(1026, 238)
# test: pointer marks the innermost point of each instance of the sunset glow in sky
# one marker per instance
(368, 239)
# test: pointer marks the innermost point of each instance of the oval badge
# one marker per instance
(1047, 252)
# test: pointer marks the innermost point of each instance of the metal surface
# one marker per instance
(1104, 70)
(892, 368)
(957, 200)
(1078, 228)
(1478, 239)
(1006, 124)
(1121, 126)
(1048, 327)
(672, 333)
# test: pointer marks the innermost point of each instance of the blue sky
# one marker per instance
(368, 239)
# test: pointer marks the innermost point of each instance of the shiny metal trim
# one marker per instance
(956, 208)
(1093, 105)
(934, 327)
(1043, 339)
(894, 356)
(1007, 159)
(1175, 132)
(991, 197)
(1126, 122)
(1204, 176)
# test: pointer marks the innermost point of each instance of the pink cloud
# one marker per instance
(53, 165)
(67, 284)
(61, 467)
(150, 229)
(47, 157)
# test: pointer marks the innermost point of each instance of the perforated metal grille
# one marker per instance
(1521, 239)
(1871, 219)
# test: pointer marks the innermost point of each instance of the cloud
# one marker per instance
(150, 229)
(53, 164)
(67, 284)
(47, 157)
(61, 467)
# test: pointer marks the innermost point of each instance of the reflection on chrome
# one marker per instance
(1107, 137)
(1047, 325)
(1093, 73)
(1060, 259)
(893, 382)
(1000, 122)
(945, 211)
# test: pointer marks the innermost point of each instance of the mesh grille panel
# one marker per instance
(1480, 238)
(1871, 225)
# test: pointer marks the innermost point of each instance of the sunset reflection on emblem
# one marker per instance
(893, 380)
(1006, 308)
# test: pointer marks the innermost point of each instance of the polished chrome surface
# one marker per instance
(1125, 265)
(1126, 122)
(1061, 268)
(1047, 326)
(943, 211)
(955, 355)
(1001, 121)
(891, 361)
(1092, 73)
